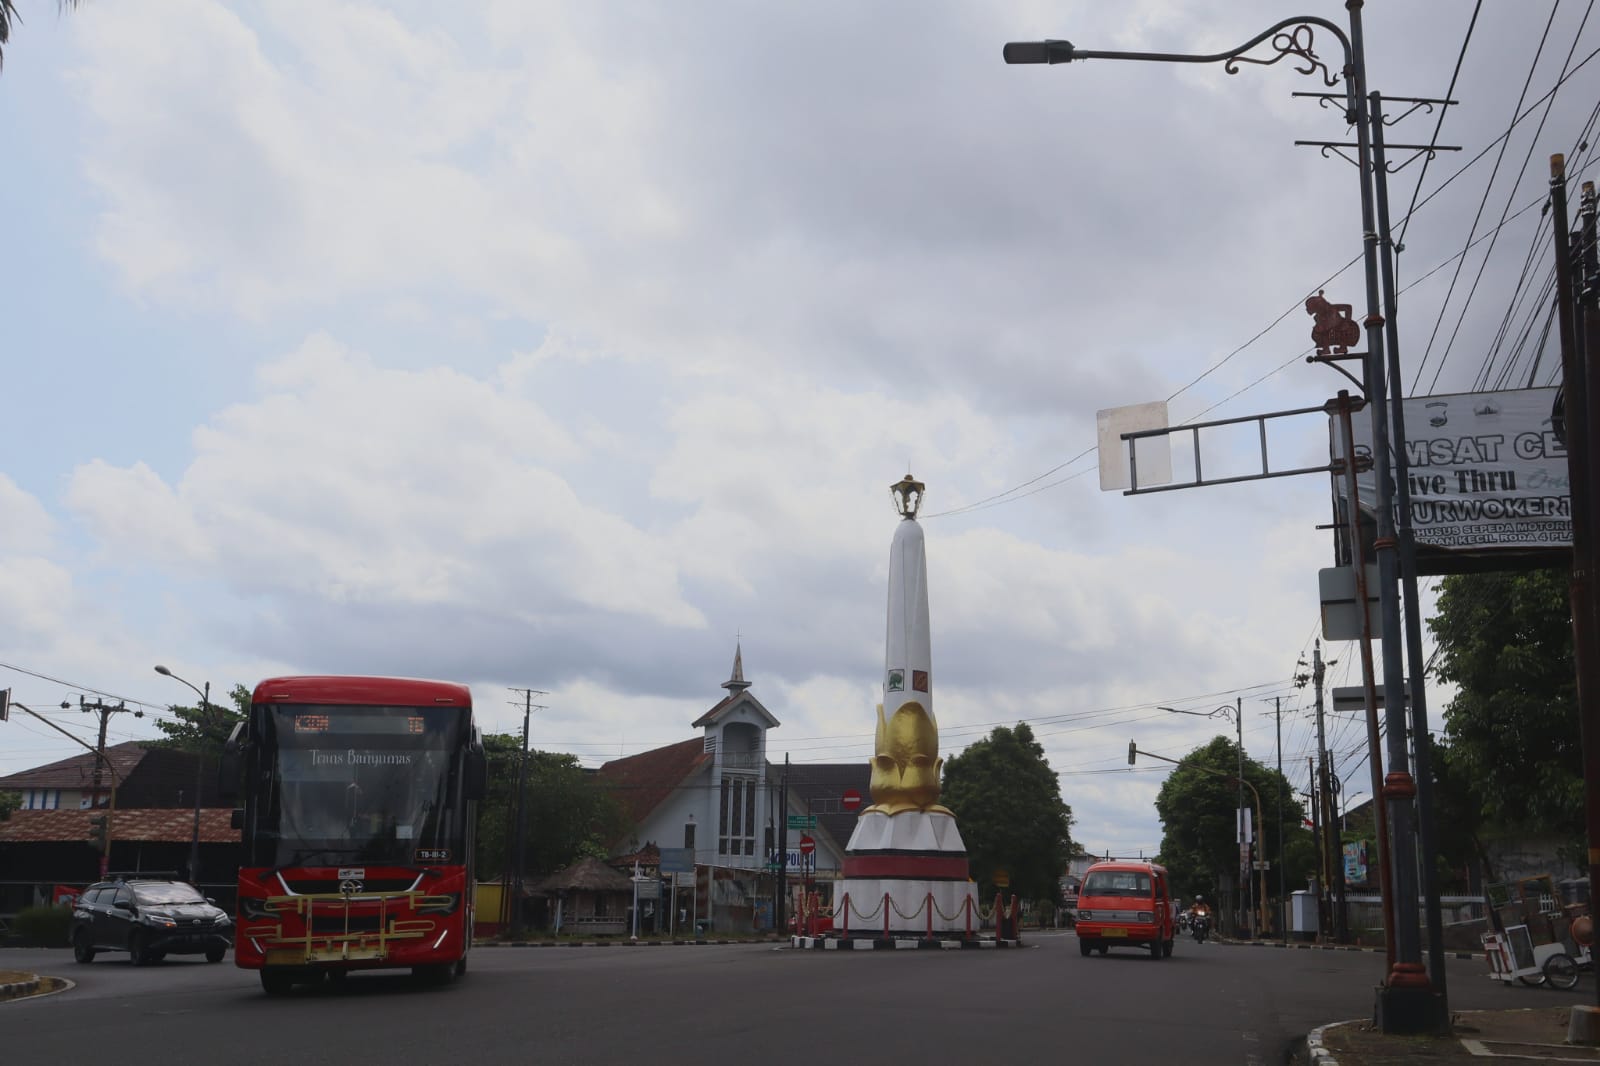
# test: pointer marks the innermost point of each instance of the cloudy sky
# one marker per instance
(564, 345)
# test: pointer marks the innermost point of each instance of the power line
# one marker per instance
(1483, 265)
(154, 708)
(1433, 141)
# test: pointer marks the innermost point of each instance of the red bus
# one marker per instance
(357, 822)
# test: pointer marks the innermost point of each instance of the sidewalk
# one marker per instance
(1536, 1034)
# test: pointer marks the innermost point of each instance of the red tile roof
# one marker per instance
(642, 782)
(716, 709)
(734, 698)
(78, 771)
(157, 825)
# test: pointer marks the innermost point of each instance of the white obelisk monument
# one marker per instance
(906, 859)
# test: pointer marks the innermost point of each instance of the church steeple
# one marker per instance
(737, 683)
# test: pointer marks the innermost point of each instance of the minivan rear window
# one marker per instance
(1116, 883)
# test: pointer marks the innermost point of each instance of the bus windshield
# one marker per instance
(360, 784)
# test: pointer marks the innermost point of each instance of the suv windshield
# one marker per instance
(360, 784)
(157, 895)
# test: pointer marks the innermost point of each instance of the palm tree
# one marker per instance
(9, 16)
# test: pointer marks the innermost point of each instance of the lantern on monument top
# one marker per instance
(907, 494)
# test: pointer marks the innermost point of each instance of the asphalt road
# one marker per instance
(714, 1004)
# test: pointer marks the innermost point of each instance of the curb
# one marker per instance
(1317, 1053)
(806, 943)
(18, 989)
(1307, 946)
(617, 943)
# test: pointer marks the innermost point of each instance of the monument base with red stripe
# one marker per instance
(906, 875)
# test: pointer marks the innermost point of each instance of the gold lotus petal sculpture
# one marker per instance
(906, 763)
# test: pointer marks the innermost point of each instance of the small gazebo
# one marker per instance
(591, 897)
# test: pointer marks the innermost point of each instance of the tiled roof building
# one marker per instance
(719, 795)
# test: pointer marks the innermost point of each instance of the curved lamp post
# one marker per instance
(1408, 1001)
(199, 770)
(1261, 917)
(1235, 712)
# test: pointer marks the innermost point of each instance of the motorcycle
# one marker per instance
(1199, 925)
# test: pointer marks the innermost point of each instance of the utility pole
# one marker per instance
(521, 824)
(1333, 859)
(1277, 715)
(1579, 386)
(1317, 829)
(783, 847)
(99, 824)
(1244, 845)
(105, 711)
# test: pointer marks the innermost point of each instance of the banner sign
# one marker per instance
(1355, 862)
(677, 860)
(1485, 470)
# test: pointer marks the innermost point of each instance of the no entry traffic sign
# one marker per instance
(850, 800)
(807, 845)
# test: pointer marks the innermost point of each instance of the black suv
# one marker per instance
(148, 919)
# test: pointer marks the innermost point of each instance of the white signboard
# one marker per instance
(1486, 470)
(1341, 618)
(1154, 453)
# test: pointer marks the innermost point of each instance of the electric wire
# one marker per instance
(1527, 158)
(1433, 141)
(1504, 143)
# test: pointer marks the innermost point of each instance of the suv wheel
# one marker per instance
(215, 954)
(139, 952)
(82, 946)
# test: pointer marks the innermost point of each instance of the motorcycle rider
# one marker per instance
(1200, 917)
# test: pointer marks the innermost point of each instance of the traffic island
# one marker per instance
(865, 943)
(14, 983)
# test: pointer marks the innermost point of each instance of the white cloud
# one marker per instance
(348, 483)
(596, 339)
(25, 525)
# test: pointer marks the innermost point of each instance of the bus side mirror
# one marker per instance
(475, 774)
(230, 767)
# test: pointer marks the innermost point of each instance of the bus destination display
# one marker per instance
(368, 724)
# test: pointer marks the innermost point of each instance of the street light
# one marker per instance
(1236, 712)
(1408, 1001)
(199, 770)
(1134, 750)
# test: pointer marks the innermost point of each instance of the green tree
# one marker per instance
(9, 801)
(497, 809)
(567, 815)
(1458, 823)
(1007, 801)
(204, 731)
(10, 18)
(1505, 641)
(1199, 844)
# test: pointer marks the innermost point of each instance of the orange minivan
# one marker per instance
(1126, 904)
